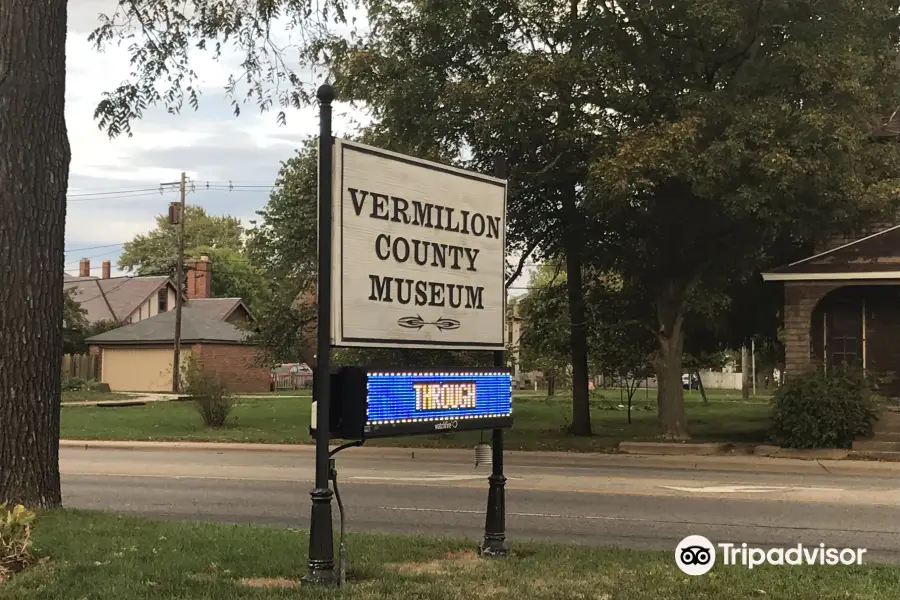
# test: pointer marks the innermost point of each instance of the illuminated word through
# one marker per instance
(445, 396)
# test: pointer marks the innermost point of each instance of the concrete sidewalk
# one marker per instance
(128, 400)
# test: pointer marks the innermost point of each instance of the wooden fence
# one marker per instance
(83, 366)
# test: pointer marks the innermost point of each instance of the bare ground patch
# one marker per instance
(268, 582)
(466, 559)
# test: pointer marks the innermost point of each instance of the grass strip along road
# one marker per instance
(105, 557)
(540, 423)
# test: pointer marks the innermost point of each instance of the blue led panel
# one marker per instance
(437, 398)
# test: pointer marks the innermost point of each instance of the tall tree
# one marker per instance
(34, 171)
(284, 247)
(545, 340)
(233, 273)
(34, 164)
(474, 81)
(741, 123)
(156, 252)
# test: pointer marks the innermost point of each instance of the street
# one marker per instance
(622, 500)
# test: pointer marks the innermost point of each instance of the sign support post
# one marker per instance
(321, 542)
(495, 518)
(494, 544)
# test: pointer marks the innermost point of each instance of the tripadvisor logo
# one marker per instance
(696, 555)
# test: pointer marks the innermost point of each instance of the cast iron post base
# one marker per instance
(321, 544)
(494, 544)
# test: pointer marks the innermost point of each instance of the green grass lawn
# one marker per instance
(105, 557)
(540, 423)
(88, 396)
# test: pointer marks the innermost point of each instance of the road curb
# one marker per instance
(815, 454)
(725, 449)
(673, 448)
(147, 445)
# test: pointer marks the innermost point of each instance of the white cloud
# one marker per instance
(210, 145)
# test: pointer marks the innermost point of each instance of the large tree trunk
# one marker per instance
(670, 395)
(34, 174)
(581, 407)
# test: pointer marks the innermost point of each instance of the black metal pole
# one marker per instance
(321, 541)
(495, 519)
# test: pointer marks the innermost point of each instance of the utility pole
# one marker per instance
(176, 217)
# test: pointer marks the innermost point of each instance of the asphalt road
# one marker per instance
(629, 501)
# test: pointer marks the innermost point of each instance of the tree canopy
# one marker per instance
(640, 137)
(219, 237)
(284, 246)
(739, 124)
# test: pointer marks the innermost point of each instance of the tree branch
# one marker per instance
(743, 53)
(522, 259)
(635, 19)
(546, 168)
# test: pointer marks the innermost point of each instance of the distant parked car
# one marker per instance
(290, 376)
(690, 382)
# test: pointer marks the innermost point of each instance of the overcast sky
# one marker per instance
(114, 185)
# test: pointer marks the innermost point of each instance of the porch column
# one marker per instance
(800, 300)
(864, 349)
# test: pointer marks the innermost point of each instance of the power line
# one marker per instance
(77, 262)
(95, 247)
(156, 192)
(105, 293)
(118, 197)
(113, 192)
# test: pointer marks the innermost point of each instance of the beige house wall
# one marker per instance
(139, 369)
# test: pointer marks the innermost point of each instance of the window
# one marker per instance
(162, 299)
(844, 333)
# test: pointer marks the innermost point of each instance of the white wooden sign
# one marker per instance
(419, 253)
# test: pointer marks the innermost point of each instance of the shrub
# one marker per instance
(76, 384)
(15, 539)
(208, 392)
(823, 410)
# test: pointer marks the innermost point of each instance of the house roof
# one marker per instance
(114, 298)
(220, 308)
(873, 257)
(196, 327)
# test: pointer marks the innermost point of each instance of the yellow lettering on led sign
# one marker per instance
(445, 396)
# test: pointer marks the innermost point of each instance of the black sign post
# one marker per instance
(321, 543)
(494, 544)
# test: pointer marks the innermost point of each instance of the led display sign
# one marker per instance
(370, 403)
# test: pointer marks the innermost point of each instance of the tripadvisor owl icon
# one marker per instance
(695, 555)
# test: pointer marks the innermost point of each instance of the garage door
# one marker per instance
(137, 370)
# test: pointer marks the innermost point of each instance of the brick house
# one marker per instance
(139, 357)
(119, 299)
(843, 305)
(131, 299)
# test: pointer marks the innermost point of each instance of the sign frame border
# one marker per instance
(337, 255)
